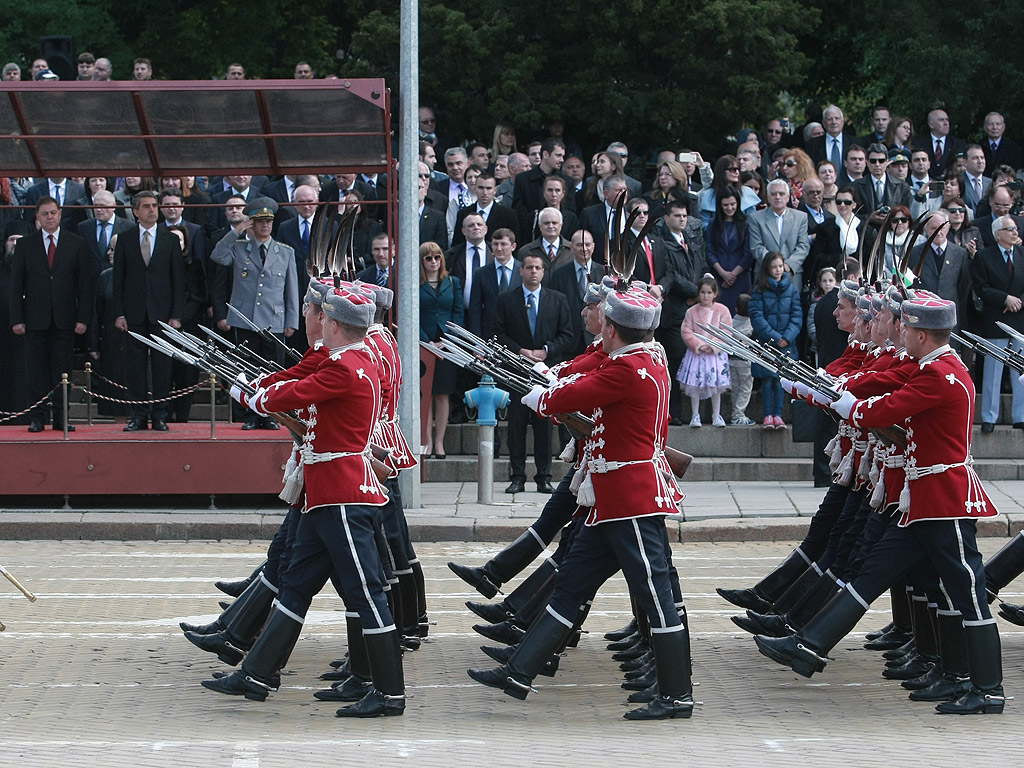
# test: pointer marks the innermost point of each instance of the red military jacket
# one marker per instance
(343, 397)
(936, 404)
(628, 395)
(389, 434)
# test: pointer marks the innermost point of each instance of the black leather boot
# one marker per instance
(545, 635)
(387, 696)
(422, 622)
(902, 621)
(625, 631)
(503, 653)
(768, 589)
(877, 633)
(493, 613)
(985, 656)
(236, 588)
(240, 632)
(768, 624)
(625, 643)
(519, 598)
(806, 653)
(260, 672)
(201, 629)
(675, 691)
(1004, 566)
(356, 663)
(503, 632)
(818, 596)
(1012, 613)
(954, 679)
(476, 578)
(796, 592)
(352, 688)
(409, 619)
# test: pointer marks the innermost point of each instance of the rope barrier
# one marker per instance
(172, 396)
(11, 415)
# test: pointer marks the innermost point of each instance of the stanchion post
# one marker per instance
(88, 393)
(213, 406)
(65, 391)
(486, 399)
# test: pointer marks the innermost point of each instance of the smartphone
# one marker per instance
(784, 122)
(936, 186)
(687, 157)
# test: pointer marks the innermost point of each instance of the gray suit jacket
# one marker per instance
(971, 197)
(267, 294)
(763, 234)
(952, 283)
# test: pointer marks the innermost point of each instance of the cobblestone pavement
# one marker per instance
(97, 673)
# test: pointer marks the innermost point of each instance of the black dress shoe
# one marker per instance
(928, 679)
(626, 631)
(489, 612)
(889, 641)
(476, 578)
(250, 425)
(374, 704)
(545, 487)
(516, 486)
(637, 663)
(159, 425)
(35, 426)
(503, 632)
(625, 643)
(135, 425)
(240, 684)
(948, 688)
(675, 422)
(643, 682)
(269, 423)
(1018, 425)
(914, 667)
(664, 708)
(629, 654)
(57, 427)
(353, 688)
(975, 702)
(201, 629)
(745, 598)
(219, 644)
(502, 678)
(987, 427)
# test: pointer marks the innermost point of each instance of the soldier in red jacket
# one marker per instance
(628, 395)
(336, 531)
(939, 505)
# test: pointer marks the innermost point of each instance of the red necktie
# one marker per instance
(650, 257)
(51, 251)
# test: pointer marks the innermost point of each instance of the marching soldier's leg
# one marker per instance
(955, 678)
(902, 629)
(1005, 565)
(387, 695)
(357, 684)
(236, 588)
(240, 631)
(422, 622)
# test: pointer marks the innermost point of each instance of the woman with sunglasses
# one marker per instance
(961, 229)
(440, 302)
(895, 237)
(796, 168)
(851, 227)
(727, 174)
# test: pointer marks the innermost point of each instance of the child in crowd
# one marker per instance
(705, 370)
(739, 369)
(825, 282)
(777, 317)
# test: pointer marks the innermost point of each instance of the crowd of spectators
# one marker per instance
(817, 194)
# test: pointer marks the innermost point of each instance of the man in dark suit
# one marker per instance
(822, 231)
(836, 142)
(149, 277)
(433, 228)
(236, 186)
(97, 232)
(454, 190)
(281, 190)
(495, 216)
(877, 189)
(60, 189)
(1001, 203)
(597, 219)
(998, 274)
(378, 273)
(556, 250)
(975, 182)
(527, 196)
(880, 119)
(334, 191)
(941, 147)
(51, 301)
(462, 261)
(571, 280)
(998, 149)
(296, 233)
(491, 280)
(535, 322)
(945, 268)
(172, 208)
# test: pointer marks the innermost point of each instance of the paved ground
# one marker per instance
(97, 673)
(713, 511)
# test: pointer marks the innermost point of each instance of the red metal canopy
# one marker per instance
(168, 128)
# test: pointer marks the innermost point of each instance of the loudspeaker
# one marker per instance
(58, 51)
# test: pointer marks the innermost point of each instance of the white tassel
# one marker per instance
(569, 452)
(577, 478)
(905, 497)
(294, 481)
(878, 495)
(864, 468)
(835, 448)
(844, 472)
(585, 497)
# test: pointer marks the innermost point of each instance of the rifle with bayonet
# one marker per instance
(265, 333)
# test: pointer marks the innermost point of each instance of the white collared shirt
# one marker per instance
(152, 236)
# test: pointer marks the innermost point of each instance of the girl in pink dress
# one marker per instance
(705, 370)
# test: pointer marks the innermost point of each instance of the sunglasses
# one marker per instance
(844, 202)
(791, 163)
(876, 160)
(431, 258)
(956, 210)
(733, 168)
(900, 219)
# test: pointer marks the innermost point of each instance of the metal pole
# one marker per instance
(485, 464)
(88, 393)
(407, 258)
(213, 406)
(64, 406)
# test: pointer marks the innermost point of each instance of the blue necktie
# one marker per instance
(56, 194)
(503, 282)
(103, 241)
(531, 312)
(305, 237)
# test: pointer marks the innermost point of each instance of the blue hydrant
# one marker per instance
(486, 399)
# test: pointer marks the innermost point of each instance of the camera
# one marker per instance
(1014, 185)
(687, 157)
(884, 209)
(936, 186)
(784, 122)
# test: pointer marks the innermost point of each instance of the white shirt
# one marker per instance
(47, 236)
(471, 267)
(152, 236)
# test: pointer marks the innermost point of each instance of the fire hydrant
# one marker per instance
(485, 399)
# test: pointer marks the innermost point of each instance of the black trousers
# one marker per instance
(48, 354)
(145, 367)
(949, 546)
(519, 417)
(280, 550)
(338, 540)
(637, 548)
(396, 530)
(816, 540)
(841, 528)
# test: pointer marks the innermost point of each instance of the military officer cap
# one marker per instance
(631, 309)
(864, 305)
(893, 299)
(594, 294)
(349, 307)
(261, 208)
(933, 314)
(850, 289)
(316, 291)
(383, 297)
